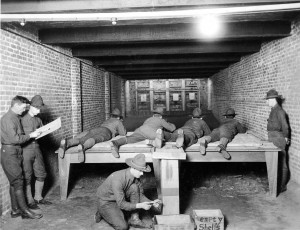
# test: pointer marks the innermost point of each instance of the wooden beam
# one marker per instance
(167, 72)
(151, 33)
(46, 6)
(165, 49)
(115, 61)
(174, 76)
(165, 67)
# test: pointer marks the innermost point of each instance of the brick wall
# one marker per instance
(72, 89)
(244, 85)
(117, 93)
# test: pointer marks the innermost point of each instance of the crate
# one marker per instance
(209, 219)
(173, 222)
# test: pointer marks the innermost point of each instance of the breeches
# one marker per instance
(33, 163)
(100, 134)
(190, 137)
(11, 160)
(218, 133)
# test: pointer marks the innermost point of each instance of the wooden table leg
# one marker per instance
(157, 173)
(272, 167)
(170, 186)
(64, 171)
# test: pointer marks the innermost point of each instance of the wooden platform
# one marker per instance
(244, 148)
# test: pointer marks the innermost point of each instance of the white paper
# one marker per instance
(49, 128)
(175, 97)
(143, 97)
(192, 96)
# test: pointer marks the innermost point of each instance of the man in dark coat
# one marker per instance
(150, 130)
(123, 191)
(191, 131)
(33, 162)
(85, 140)
(225, 133)
(278, 133)
(12, 136)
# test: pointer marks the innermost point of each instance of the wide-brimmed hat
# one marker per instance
(197, 112)
(116, 112)
(272, 93)
(159, 110)
(138, 162)
(37, 102)
(230, 112)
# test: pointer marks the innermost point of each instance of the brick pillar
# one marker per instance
(107, 94)
(76, 86)
(123, 96)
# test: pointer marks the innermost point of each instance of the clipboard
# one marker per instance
(49, 128)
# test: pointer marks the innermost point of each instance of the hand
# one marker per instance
(35, 134)
(156, 203)
(287, 141)
(144, 205)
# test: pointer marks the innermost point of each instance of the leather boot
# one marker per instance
(136, 222)
(222, 148)
(15, 211)
(62, 148)
(114, 146)
(180, 138)
(26, 212)
(81, 153)
(158, 139)
(203, 144)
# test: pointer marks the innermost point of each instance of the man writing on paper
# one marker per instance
(33, 162)
(12, 136)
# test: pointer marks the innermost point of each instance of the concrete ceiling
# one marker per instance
(160, 42)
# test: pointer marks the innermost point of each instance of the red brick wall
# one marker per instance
(117, 95)
(244, 85)
(29, 68)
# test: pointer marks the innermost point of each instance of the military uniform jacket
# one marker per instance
(197, 125)
(30, 124)
(12, 132)
(115, 126)
(277, 121)
(230, 128)
(148, 129)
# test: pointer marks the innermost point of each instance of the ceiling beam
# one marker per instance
(168, 49)
(169, 60)
(167, 72)
(152, 33)
(165, 76)
(47, 6)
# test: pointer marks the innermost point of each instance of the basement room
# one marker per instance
(164, 115)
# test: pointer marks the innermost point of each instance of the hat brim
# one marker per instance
(275, 96)
(38, 106)
(128, 161)
(230, 114)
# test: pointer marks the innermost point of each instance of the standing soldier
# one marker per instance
(33, 162)
(12, 136)
(225, 133)
(191, 131)
(278, 133)
(151, 130)
(87, 139)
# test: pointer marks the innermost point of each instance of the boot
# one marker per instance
(149, 142)
(158, 139)
(62, 148)
(15, 211)
(136, 222)
(180, 138)
(38, 199)
(97, 217)
(114, 145)
(81, 153)
(31, 203)
(26, 212)
(222, 148)
(203, 144)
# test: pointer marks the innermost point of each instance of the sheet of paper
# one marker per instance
(49, 128)
(143, 97)
(175, 97)
(192, 96)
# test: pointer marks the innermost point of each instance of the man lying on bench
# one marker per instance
(87, 139)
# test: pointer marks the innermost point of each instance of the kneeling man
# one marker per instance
(123, 191)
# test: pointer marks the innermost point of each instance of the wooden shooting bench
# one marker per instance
(243, 148)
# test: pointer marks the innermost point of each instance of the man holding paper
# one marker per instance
(12, 136)
(33, 162)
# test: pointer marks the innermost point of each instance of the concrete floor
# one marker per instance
(240, 191)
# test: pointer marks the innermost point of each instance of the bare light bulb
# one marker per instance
(209, 26)
(22, 22)
(114, 21)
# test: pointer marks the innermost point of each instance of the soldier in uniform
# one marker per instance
(123, 191)
(33, 162)
(278, 133)
(12, 136)
(225, 133)
(150, 130)
(191, 131)
(85, 140)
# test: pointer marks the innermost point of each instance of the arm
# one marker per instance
(167, 125)
(205, 128)
(283, 123)
(121, 129)
(120, 196)
(10, 130)
(240, 128)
